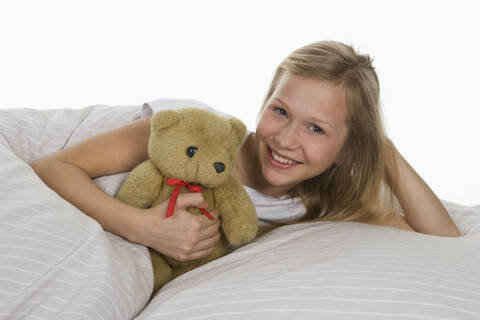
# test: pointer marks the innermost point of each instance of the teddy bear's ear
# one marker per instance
(239, 129)
(164, 119)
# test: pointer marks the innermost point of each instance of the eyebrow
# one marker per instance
(312, 118)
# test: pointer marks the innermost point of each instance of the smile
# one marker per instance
(279, 160)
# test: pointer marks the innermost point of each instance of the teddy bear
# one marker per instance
(193, 150)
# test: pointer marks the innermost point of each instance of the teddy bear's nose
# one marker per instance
(219, 167)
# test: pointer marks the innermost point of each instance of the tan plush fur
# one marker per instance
(218, 140)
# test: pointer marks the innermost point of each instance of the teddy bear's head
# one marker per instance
(195, 145)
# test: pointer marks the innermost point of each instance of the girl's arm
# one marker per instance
(70, 171)
(423, 210)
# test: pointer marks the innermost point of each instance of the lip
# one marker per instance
(278, 164)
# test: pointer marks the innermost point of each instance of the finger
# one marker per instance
(208, 221)
(186, 200)
(215, 213)
(200, 254)
(208, 243)
(208, 231)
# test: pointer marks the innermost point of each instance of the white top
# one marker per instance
(269, 209)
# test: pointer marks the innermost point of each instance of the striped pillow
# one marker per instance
(335, 270)
(55, 262)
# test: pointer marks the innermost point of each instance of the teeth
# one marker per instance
(280, 159)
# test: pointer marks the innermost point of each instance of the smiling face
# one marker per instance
(300, 132)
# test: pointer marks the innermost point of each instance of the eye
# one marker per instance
(280, 111)
(316, 129)
(191, 151)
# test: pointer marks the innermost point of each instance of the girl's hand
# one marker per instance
(183, 236)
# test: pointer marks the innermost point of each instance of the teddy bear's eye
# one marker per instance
(191, 151)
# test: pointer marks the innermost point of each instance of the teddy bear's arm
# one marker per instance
(142, 186)
(238, 215)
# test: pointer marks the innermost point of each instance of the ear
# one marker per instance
(239, 129)
(164, 119)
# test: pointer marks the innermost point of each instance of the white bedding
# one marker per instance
(56, 263)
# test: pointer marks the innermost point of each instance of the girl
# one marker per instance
(319, 141)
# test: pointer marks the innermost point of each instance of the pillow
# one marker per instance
(32, 134)
(56, 262)
(335, 270)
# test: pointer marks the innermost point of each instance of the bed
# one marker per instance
(57, 263)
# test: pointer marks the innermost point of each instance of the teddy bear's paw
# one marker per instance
(241, 234)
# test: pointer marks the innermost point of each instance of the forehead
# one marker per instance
(313, 98)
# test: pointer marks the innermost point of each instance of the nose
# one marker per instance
(286, 137)
(219, 167)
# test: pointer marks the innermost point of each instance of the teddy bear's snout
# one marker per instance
(219, 167)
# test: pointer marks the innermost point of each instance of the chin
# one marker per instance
(278, 181)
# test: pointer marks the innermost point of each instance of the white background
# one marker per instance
(57, 54)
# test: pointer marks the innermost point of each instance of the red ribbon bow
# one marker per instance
(173, 198)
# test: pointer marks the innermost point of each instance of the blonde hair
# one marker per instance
(359, 188)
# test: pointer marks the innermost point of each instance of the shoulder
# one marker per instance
(398, 222)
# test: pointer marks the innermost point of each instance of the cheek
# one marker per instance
(320, 154)
(265, 127)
